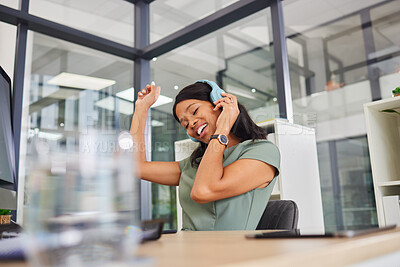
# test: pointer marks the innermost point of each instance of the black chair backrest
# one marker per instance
(279, 214)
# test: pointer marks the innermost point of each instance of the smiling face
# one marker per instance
(198, 118)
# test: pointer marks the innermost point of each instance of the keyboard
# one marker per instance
(12, 248)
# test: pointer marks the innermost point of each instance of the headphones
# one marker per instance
(214, 96)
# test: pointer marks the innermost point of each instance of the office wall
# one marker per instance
(342, 54)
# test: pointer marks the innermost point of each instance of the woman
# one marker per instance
(225, 184)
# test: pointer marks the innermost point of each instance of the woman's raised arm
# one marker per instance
(166, 173)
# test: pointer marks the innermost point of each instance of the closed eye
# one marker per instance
(195, 111)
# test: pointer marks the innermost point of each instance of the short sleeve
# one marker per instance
(263, 150)
(183, 163)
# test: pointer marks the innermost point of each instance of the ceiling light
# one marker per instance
(162, 100)
(154, 58)
(274, 99)
(50, 136)
(124, 107)
(253, 90)
(127, 94)
(80, 81)
(176, 87)
(156, 123)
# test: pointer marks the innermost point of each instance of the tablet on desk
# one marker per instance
(297, 234)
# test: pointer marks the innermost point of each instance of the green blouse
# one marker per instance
(241, 212)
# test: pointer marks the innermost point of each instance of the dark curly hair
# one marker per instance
(244, 127)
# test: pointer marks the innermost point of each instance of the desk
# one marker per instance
(231, 248)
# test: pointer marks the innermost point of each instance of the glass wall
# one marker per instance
(71, 90)
(108, 19)
(165, 131)
(239, 57)
(346, 184)
(168, 16)
(342, 55)
(385, 25)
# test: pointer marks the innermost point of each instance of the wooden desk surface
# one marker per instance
(231, 248)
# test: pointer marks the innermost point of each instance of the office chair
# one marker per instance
(279, 214)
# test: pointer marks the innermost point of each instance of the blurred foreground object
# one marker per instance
(82, 197)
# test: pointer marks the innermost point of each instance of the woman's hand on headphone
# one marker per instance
(147, 97)
(229, 114)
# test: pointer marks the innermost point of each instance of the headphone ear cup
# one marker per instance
(192, 138)
(216, 91)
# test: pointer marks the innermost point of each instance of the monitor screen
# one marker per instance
(7, 155)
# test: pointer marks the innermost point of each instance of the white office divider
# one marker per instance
(299, 177)
(183, 149)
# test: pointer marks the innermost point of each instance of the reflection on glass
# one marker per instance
(337, 64)
(346, 184)
(165, 131)
(84, 201)
(239, 57)
(72, 90)
(387, 51)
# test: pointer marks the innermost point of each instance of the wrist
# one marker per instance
(140, 110)
(222, 139)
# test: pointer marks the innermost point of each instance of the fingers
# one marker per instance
(226, 100)
(230, 96)
(150, 90)
(220, 105)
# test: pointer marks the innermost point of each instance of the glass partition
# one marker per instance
(71, 90)
(340, 57)
(385, 22)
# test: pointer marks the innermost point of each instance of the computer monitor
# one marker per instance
(8, 199)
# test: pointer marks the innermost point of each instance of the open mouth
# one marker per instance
(201, 129)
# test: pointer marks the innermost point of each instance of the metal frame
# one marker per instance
(141, 77)
(336, 190)
(281, 62)
(144, 51)
(66, 33)
(18, 87)
(218, 20)
(369, 44)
